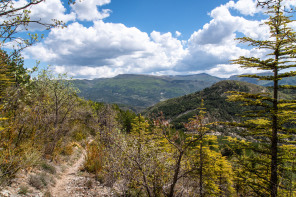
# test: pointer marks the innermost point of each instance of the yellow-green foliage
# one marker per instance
(217, 174)
(270, 122)
(12, 159)
(6, 80)
(67, 149)
(79, 135)
(149, 161)
(94, 158)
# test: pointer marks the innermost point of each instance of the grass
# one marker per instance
(48, 168)
(24, 190)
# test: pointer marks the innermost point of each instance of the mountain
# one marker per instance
(137, 92)
(179, 110)
(142, 91)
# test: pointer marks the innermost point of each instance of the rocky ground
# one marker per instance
(59, 180)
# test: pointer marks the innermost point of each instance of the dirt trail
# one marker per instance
(62, 188)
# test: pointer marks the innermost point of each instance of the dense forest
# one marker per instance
(176, 150)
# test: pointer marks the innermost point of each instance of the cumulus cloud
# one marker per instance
(114, 47)
(83, 72)
(223, 26)
(87, 10)
(45, 12)
(215, 43)
(108, 49)
(226, 70)
(245, 7)
(288, 4)
(48, 10)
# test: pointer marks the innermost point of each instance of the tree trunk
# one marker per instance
(176, 174)
(274, 137)
(200, 171)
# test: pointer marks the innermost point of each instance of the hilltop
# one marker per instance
(137, 92)
(141, 91)
(179, 110)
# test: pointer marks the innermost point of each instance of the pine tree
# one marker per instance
(212, 169)
(269, 126)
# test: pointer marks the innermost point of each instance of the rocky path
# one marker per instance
(71, 182)
(62, 186)
(76, 184)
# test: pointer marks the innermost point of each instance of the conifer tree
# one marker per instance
(269, 126)
(212, 169)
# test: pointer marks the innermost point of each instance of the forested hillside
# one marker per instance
(137, 92)
(140, 91)
(179, 110)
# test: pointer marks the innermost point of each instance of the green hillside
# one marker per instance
(179, 110)
(142, 91)
(137, 92)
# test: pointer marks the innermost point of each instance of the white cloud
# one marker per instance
(88, 10)
(223, 25)
(226, 70)
(250, 7)
(83, 72)
(48, 10)
(45, 12)
(109, 49)
(288, 4)
(114, 47)
(245, 7)
(178, 34)
(215, 43)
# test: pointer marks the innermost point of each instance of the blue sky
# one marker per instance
(105, 38)
(162, 15)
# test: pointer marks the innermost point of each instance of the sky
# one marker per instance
(105, 38)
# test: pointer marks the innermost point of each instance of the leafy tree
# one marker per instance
(58, 102)
(268, 126)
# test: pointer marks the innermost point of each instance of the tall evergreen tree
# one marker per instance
(269, 126)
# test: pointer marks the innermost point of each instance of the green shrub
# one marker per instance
(47, 194)
(23, 190)
(39, 181)
(48, 167)
(79, 135)
(67, 150)
(93, 162)
(35, 181)
(89, 183)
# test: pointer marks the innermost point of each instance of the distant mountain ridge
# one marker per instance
(142, 91)
(286, 81)
(138, 92)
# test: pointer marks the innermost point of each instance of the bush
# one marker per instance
(48, 167)
(93, 162)
(39, 181)
(89, 183)
(79, 135)
(35, 181)
(23, 190)
(13, 159)
(47, 194)
(67, 150)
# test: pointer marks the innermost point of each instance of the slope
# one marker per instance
(179, 110)
(142, 91)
